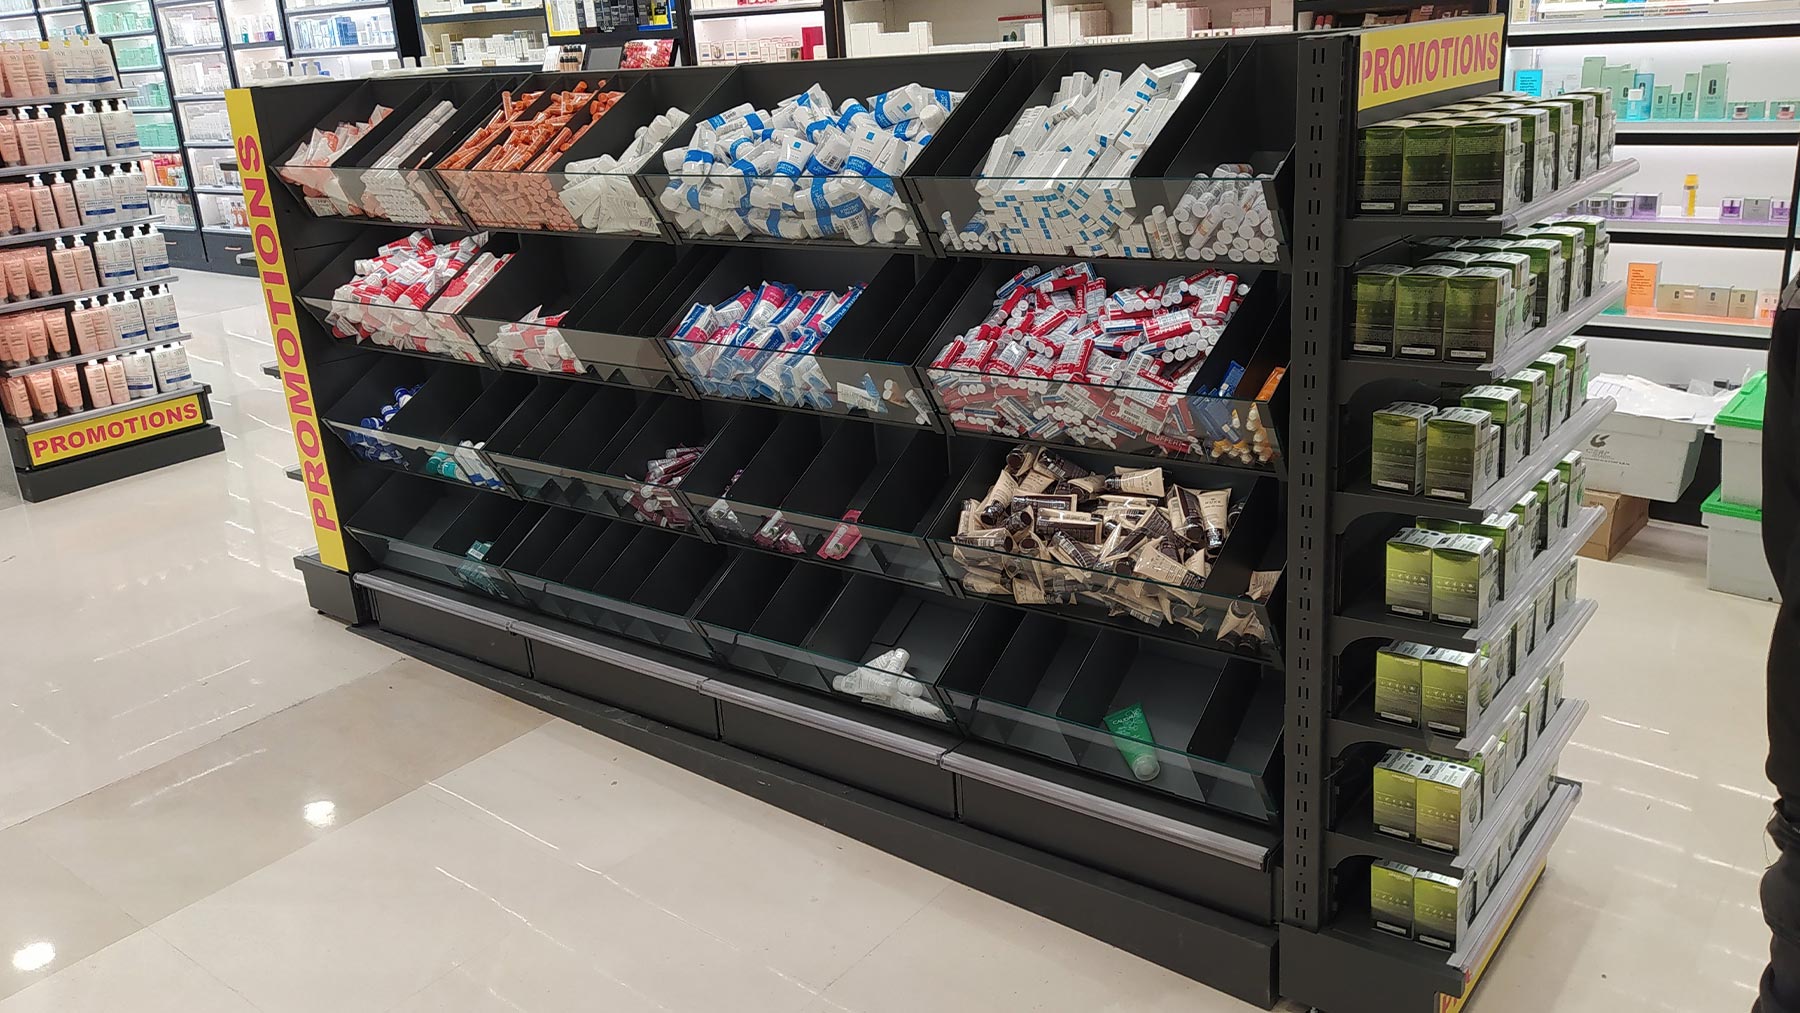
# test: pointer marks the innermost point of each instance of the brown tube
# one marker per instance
(84, 267)
(37, 272)
(56, 325)
(43, 207)
(1215, 506)
(23, 211)
(1064, 470)
(67, 278)
(998, 501)
(43, 393)
(35, 336)
(11, 151)
(18, 279)
(15, 399)
(68, 388)
(1020, 460)
(12, 343)
(67, 214)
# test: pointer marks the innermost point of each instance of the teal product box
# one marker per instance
(1637, 100)
(1593, 71)
(1748, 110)
(1664, 103)
(1690, 97)
(1713, 91)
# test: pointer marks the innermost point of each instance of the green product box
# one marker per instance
(1409, 571)
(1512, 732)
(1713, 88)
(1477, 303)
(1599, 247)
(1525, 632)
(1454, 687)
(1550, 270)
(1398, 683)
(1690, 97)
(1490, 760)
(1748, 110)
(1565, 141)
(1663, 103)
(1553, 688)
(1499, 650)
(1556, 366)
(1523, 288)
(1587, 120)
(1554, 493)
(1543, 614)
(1507, 407)
(1396, 792)
(1538, 177)
(1391, 896)
(1784, 109)
(1573, 467)
(1443, 908)
(1534, 386)
(1538, 694)
(1530, 511)
(1397, 455)
(1465, 579)
(1448, 804)
(1442, 525)
(1577, 351)
(1508, 535)
(1462, 454)
(1419, 311)
(1373, 328)
(1380, 151)
(1453, 258)
(1487, 174)
(1565, 588)
(1427, 157)
(1593, 71)
(1575, 258)
(1616, 82)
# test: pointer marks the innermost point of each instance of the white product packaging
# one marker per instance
(131, 194)
(171, 365)
(128, 321)
(116, 388)
(95, 200)
(140, 375)
(83, 132)
(160, 317)
(150, 254)
(119, 128)
(599, 192)
(103, 73)
(113, 254)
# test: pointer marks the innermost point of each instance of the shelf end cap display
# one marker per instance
(1431, 61)
(284, 324)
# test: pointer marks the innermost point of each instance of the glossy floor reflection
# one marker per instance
(213, 800)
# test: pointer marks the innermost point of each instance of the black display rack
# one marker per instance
(1243, 863)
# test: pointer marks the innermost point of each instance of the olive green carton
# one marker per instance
(1577, 351)
(1397, 793)
(1587, 120)
(1462, 454)
(1443, 908)
(1539, 150)
(1477, 301)
(1606, 119)
(1448, 805)
(1565, 142)
(1508, 534)
(1409, 571)
(1453, 258)
(1523, 288)
(1399, 682)
(1565, 588)
(1534, 385)
(1391, 896)
(1556, 366)
(1427, 157)
(1573, 467)
(1397, 447)
(1465, 579)
(1419, 311)
(1490, 759)
(1545, 619)
(1487, 166)
(1530, 511)
(1549, 270)
(1507, 406)
(1379, 165)
(1599, 247)
(1554, 493)
(1454, 688)
(1372, 330)
(1575, 258)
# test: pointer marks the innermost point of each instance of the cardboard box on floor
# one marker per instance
(1625, 517)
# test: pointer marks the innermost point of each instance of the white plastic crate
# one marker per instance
(1735, 562)
(1740, 444)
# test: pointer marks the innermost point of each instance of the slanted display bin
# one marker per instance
(1740, 430)
(1735, 562)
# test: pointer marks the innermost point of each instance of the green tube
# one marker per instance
(1131, 733)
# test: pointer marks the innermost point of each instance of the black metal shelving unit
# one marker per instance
(1241, 869)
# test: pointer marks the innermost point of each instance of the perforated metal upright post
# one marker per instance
(1321, 145)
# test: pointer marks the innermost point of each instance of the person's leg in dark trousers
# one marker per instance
(1780, 991)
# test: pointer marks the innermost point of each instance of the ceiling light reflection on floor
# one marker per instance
(320, 814)
(35, 956)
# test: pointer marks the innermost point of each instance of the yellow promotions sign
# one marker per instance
(1407, 61)
(79, 438)
(296, 382)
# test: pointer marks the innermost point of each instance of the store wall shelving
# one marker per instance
(1242, 862)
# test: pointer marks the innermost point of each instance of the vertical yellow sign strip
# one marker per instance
(296, 382)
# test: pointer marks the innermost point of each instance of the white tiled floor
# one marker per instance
(213, 800)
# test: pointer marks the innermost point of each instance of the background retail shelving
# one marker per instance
(667, 612)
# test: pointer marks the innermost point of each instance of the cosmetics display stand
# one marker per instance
(513, 524)
(726, 32)
(460, 34)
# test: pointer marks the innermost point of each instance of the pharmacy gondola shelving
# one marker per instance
(675, 631)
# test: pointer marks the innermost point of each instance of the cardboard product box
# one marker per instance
(1462, 454)
(1372, 330)
(1575, 259)
(1625, 516)
(1573, 468)
(1525, 631)
(1643, 280)
(1556, 366)
(1538, 176)
(1714, 302)
(1380, 167)
(1399, 683)
(1397, 452)
(1566, 586)
(1743, 304)
(1599, 247)
(1502, 658)
(1465, 579)
(1637, 99)
(1448, 804)
(1784, 109)
(1507, 406)
(1663, 103)
(1455, 686)
(1487, 166)
(1453, 258)
(1391, 896)
(1587, 120)
(1409, 571)
(1528, 725)
(1508, 535)
(1523, 288)
(1545, 619)
(1690, 97)
(1551, 272)
(1576, 350)
(1593, 71)
(1747, 110)
(1533, 385)
(1442, 909)
(1565, 139)
(1713, 89)
(1530, 512)
(1489, 760)
(1512, 732)
(1419, 311)
(1396, 792)
(1428, 150)
(1553, 689)
(1477, 304)
(1758, 209)
(1554, 493)
(1678, 299)
(1646, 205)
